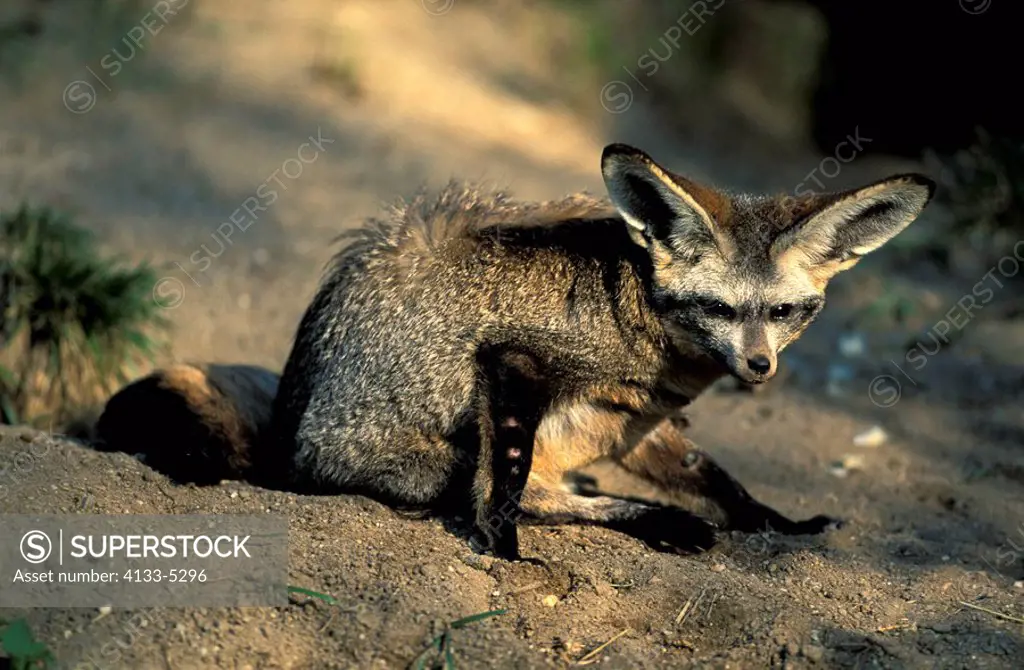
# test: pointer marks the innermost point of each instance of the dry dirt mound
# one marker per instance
(885, 591)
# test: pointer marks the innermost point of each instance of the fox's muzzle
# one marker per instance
(754, 368)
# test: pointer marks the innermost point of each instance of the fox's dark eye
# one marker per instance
(780, 312)
(718, 309)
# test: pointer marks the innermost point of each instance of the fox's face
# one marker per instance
(738, 278)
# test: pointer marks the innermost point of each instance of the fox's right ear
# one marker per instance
(658, 205)
(851, 224)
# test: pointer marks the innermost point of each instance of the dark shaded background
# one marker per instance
(919, 74)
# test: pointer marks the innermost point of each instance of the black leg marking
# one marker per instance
(518, 399)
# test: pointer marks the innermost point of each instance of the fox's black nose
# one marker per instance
(759, 364)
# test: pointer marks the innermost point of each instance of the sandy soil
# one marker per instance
(191, 128)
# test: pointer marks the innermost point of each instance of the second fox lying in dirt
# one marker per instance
(472, 345)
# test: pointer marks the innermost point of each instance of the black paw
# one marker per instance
(490, 544)
(670, 529)
(753, 517)
(500, 542)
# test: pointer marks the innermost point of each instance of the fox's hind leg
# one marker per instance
(572, 437)
(667, 459)
(660, 526)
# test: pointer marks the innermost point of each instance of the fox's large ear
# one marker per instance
(846, 226)
(658, 205)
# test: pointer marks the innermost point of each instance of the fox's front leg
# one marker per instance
(667, 459)
(513, 400)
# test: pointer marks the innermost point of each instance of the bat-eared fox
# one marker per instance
(476, 350)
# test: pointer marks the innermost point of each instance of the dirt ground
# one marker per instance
(925, 574)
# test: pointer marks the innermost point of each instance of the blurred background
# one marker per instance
(172, 173)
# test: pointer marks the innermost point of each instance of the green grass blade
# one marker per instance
(462, 623)
(449, 659)
(9, 414)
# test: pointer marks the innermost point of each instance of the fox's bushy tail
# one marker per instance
(195, 423)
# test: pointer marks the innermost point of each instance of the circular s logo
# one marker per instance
(79, 97)
(36, 546)
(438, 7)
(975, 6)
(884, 391)
(168, 293)
(616, 97)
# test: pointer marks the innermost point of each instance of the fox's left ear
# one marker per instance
(846, 226)
(663, 210)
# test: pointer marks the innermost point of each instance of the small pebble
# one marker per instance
(550, 601)
(871, 438)
(814, 653)
(851, 345)
(718, 567)
(848, 464)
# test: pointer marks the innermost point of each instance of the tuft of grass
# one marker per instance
(25, 652)
(440, 648)
(72, 323)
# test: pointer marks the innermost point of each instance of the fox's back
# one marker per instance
(397, 323)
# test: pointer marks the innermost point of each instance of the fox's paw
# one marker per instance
(670, 529)
(758, 518)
